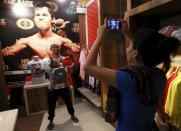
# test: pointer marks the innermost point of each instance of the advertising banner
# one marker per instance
(29, 27)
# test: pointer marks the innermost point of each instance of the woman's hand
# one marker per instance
(125, 30)
(101, 31)
(124, 27)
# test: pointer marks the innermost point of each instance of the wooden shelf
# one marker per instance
(160, 8)
(92, 97)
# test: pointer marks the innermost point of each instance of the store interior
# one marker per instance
(23, 94)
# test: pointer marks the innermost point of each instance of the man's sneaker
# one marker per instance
(75, 119)
(50, 125)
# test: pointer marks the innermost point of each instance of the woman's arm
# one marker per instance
(126, 32)
(105, 75)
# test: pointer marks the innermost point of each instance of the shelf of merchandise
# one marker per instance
(155, 7)
(90, 96)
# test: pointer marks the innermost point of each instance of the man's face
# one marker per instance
(55, 49)
(42, 18)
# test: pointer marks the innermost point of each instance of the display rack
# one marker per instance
(155, 7)
(94, 98)
(150, 13)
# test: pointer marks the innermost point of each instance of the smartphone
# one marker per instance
(113, 24)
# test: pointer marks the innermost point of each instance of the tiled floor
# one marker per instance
(90, 119)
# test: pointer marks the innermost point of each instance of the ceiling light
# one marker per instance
(62, 1)
(20, 10)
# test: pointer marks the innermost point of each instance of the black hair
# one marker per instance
(44, 4)
(154, 48)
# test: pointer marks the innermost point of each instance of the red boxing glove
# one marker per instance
(67, 61)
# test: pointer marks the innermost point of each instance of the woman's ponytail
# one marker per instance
(154, 48)
(166, 46)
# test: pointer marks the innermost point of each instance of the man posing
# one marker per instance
(58, 85)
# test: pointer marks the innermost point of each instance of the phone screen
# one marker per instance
(114, 24)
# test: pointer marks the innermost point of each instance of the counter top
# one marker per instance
(8, 120)
(32, 85)
(19, 72)
(35, 95)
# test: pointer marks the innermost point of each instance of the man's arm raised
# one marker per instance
(15, 48)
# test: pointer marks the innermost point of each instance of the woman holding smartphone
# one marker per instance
(140, 83)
